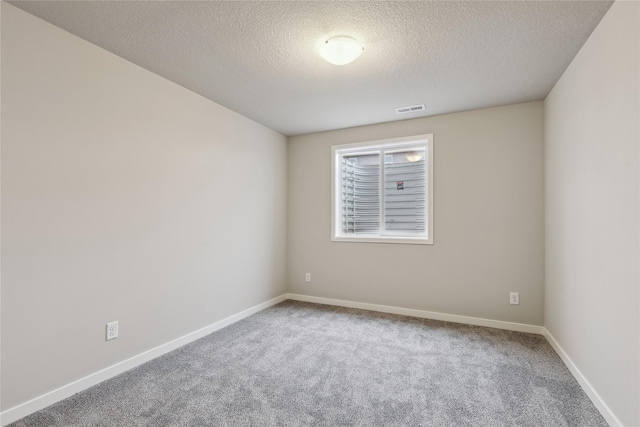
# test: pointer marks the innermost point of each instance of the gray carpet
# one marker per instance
(302, 364)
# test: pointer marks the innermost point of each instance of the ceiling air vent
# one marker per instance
(411, 109)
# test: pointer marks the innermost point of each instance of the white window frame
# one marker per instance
(337, 151)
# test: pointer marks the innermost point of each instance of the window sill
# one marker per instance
(379, 239)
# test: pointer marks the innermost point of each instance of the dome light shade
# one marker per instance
(413, 156)
(341, 50)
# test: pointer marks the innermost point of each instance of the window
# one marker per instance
(382, 191)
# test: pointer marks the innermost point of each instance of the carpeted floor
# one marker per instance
(302, 364)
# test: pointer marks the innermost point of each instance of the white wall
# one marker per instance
(124, 197)
(592, 216)
(488, 220)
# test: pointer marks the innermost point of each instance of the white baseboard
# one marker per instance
(606, 412)
(41, 402)
(499, 324)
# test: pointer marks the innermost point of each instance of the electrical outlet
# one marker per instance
(112, 330)
(307, 277)
(514, 298)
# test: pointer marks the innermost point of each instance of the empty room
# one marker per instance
(320, 213)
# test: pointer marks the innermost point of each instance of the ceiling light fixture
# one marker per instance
(341, 50)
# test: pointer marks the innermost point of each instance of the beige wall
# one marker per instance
(592, 216)
(488, 220)
(124, 197)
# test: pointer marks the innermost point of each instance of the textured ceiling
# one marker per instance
(259, 58)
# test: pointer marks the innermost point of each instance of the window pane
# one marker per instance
(405, 198)
(381, 191)
(360, 200)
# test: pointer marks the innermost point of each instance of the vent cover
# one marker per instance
(411, 109)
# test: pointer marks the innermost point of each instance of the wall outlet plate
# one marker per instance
(112, 330)
(514, 298)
